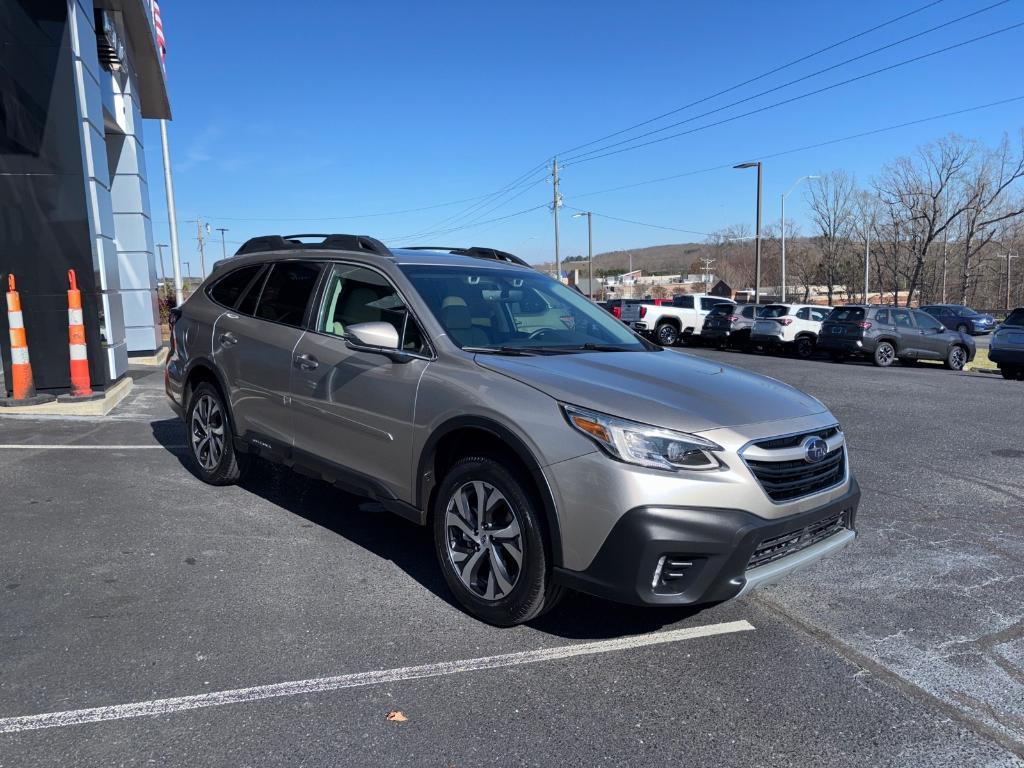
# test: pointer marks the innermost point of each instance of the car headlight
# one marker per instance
(642, 444)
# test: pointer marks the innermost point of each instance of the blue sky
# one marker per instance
(289, 112)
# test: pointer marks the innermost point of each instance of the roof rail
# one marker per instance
(475, 251)
(325, 242)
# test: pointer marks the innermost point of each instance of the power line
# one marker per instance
(802, 96)
(758, 77)
(477, 224)
(805, 147)
(641, 223)
(791, 82)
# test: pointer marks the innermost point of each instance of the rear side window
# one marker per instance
(227, 290)
(883, 317)
(686, 302)
(1016, 318)
(818, 315)
(804, 313)
(901, 318)
(748, 312)
(286, 292)
(846, 315)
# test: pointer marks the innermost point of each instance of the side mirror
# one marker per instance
(372, 337)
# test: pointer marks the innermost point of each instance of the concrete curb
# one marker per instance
(155, 360)
(112, 397)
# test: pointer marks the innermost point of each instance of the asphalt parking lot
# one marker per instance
(152, 620)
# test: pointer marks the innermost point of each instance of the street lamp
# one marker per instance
(590, 251)
(757, 235)
(784, 196)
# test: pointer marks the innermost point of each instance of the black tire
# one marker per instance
(956, 358)
(885, 354)
(226, 467)
(803, 347)
(533, 591)
(1008, 371)
(962, 328)
(666, 334)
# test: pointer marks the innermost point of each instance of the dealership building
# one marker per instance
(77, 77)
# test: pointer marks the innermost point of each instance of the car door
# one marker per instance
(909, 337)
(353, 410)
(934, 338)
(253, 348)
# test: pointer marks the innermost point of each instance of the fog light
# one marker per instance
(657, 572)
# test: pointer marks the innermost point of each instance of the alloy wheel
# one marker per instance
(957, 358)
(962, 328)
(484, 538)
(885, 354)
(667, 335)
(207, 432)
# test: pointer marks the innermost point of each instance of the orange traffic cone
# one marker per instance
(22, 383)
(81, 385)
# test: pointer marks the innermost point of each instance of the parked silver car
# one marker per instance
(728, 325)
(547, 445)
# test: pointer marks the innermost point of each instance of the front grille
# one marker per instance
(786, 544)
(787, 480)
(791, 441)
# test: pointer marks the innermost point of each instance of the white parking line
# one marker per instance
(319, 685)
(54, 447)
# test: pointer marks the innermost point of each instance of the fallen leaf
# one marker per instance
(396, 716)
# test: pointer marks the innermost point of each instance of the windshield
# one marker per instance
(774, 310)
(517, 311)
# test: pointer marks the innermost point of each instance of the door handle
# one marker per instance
(306, 362)
(227, 338)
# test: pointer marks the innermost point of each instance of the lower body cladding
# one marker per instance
(679, 556)
(844, 345)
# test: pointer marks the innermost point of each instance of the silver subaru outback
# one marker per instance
(547, 445)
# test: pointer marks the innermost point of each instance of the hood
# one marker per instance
(666, 389)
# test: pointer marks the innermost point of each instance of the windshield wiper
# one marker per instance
(591, 347)
(499, 350)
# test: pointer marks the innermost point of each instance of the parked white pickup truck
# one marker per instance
(668, 323)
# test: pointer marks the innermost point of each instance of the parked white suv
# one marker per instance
(668, 323)
(793, 326)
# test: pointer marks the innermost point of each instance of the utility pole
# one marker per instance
(172, 216)
(187, 269)
(706, 269)
(223, 244)
(163, 274)
(945, 241)
(556, 202)
(202, 244)
(1009, 256)
(867, 262)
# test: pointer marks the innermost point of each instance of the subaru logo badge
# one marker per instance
(815, 449)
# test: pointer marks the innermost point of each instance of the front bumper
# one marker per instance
(716, 545)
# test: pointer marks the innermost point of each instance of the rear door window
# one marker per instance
(882, 317)
(901, 318)
(804, 313)
(286, 292)
(686, 302)
(229, 288)
(926, 322)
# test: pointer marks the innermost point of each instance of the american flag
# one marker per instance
(158, 25)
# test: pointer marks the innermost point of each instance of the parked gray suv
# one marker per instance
(546, 444)
(887, 334)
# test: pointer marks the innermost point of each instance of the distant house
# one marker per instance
(721, 288)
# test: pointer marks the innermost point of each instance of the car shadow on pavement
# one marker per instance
(366, 523)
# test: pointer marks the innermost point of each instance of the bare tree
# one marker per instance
(928, 193)
(831, 200)
(990, 186)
